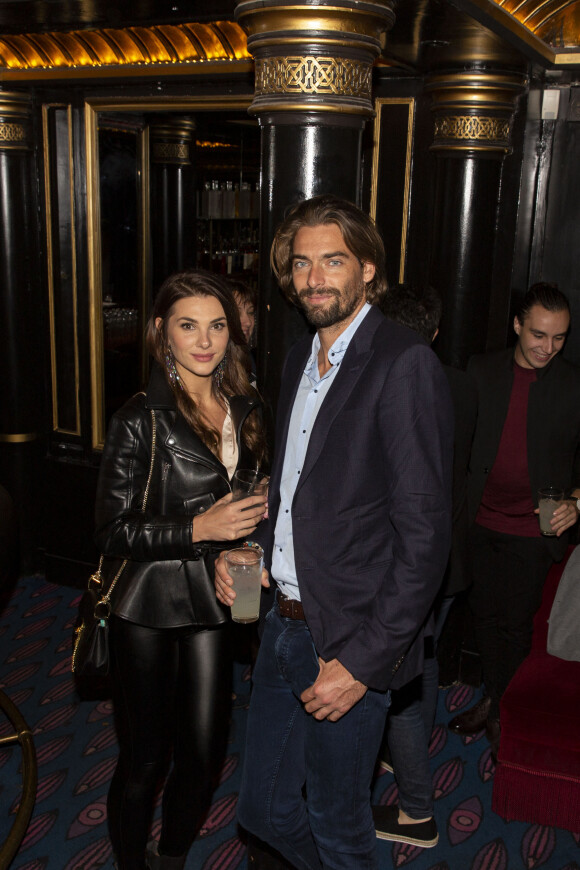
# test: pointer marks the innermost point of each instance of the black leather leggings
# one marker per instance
(172, 695)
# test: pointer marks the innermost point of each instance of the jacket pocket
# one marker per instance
(197, 504)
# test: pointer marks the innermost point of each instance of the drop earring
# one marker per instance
(219, 370)
(170, 366)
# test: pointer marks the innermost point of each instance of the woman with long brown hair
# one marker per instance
(171, 674)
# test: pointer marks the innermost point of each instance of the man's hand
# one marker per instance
(333, 693)
(224, 584)
(564, 516)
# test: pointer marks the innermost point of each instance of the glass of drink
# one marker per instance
(247, 482)
(549, 498)
(245, 568)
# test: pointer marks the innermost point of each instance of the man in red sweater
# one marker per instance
(527, 436)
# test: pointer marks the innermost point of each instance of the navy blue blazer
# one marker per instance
(371, 515)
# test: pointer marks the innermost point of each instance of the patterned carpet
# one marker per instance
(76, 749)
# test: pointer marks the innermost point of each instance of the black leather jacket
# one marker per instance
(168, 581)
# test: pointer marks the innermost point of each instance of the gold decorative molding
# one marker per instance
(314, 57)
(18, 438)
(54, 261)
(170, 152)
(14, 121)
(380, 103)
(165, 49)
(313, 75)
(350, 23)
(545, 30)
(556, 22)
(494, 132)
(13, 135)
(473, 109)
(170, 141)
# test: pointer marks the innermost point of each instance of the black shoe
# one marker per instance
(473, 720)
(155, 861)
(385, 760)
(388, 827)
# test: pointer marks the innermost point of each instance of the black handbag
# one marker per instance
(90, 656)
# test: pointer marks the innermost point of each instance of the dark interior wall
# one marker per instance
(548, 227)
(560, 261)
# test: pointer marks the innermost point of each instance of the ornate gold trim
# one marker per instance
(536, 39)
(15, 111)
(321, 51)
(141, 48)
(170, 142)
(95, 277)
(473, 108)
(263, 105)
(489, 91)
(473, 127)
(50, 268)
(170, 152)
(13, 137)
(379, 103)
(18, 438)
(347, 24)
(324, 76)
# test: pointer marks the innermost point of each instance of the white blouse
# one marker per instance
(229, 445)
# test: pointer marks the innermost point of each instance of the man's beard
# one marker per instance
(342, 306)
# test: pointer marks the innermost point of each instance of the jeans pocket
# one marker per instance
(297, 658)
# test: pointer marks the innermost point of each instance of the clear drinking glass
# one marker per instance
(245, 565)
(549, 499)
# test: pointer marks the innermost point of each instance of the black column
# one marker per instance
(300, 160)
(172, 193)
(312, 98)
(463, 240)
(24, 378)
(473, 112)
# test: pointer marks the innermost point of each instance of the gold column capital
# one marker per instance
(170, 141)
(15, 115)
(314, 57)
(473, 109)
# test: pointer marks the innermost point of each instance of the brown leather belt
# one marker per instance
(289, 607)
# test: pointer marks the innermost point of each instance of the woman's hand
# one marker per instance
(224, 584)
(228, 520)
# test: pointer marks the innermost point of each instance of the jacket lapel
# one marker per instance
(356, 359)
(344, 383)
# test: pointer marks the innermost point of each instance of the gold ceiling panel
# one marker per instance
(555, 22)
(128, 47)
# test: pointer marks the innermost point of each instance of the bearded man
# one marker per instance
(356, 542)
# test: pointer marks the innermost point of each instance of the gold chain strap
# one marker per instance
(96, 577)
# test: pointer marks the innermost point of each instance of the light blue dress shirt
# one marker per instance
(310, 396)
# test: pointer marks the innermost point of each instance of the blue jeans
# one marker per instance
(409, 728)
(306, 784)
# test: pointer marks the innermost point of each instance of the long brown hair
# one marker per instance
(358, 231)
(183, 285)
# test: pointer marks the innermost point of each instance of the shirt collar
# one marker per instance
(338, 348)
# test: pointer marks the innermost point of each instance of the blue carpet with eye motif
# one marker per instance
(76, 748)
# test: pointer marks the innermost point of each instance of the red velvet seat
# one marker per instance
(537, 777)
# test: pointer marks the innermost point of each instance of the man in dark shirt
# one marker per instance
(405, 749)
(527, 436)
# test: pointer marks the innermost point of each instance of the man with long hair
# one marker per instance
(356, 542)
